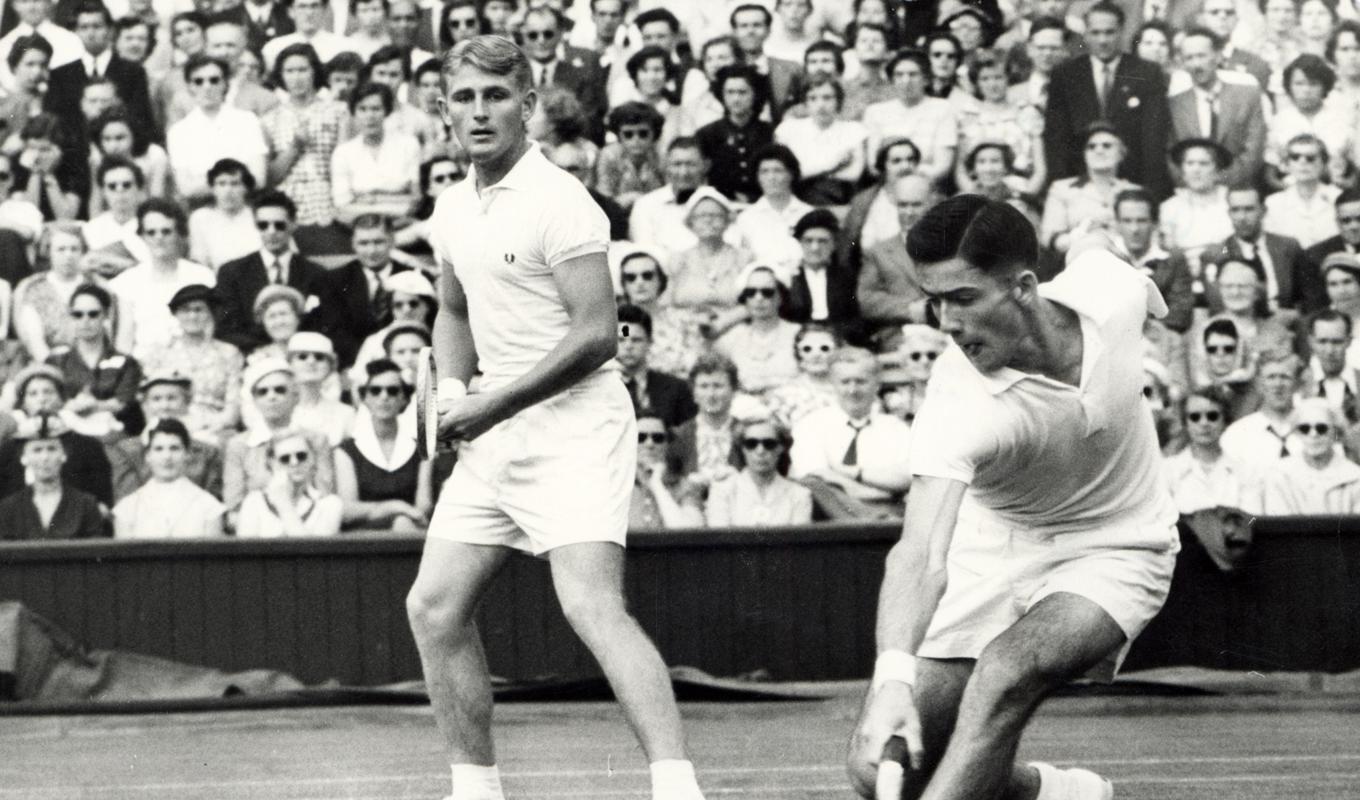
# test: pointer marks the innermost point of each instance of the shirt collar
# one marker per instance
(520, 176)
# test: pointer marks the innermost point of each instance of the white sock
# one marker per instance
(1050, 781)
(1070, 784)
(673, 779)
(475, 782)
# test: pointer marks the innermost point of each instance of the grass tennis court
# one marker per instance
(1226, 748)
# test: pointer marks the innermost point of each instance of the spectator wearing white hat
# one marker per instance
(246, 465)
(1320, 480)
(169, 505)
(312, 357)
(413, 300)
(702, 276)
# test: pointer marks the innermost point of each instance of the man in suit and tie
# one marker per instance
(751, 27)
(552, 63)
(1290, 280)
(1135, 217)
(889, 291)
(1228, 112)
(821, 290)
(262, 21)
(239, 281)
(1348, 221)
(355, 301)
(1220, 16)
(1119, 88)
(66, 84)
(653, 392)
(1329, 335)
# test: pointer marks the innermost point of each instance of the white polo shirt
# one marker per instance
(1048, 456)
(503, 246)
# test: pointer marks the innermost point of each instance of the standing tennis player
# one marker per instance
(549, 442)
(1039, 537)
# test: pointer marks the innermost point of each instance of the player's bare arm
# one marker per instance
(913, 584)
(588, 296)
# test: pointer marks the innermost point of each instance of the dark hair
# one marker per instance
(983, 59)
(745, 293)
(230, 166)
(384, 54)
(140, 141)
(912, 54)
(43, 126)
(345, 61)
(657, 15)
(826, 80)
(823, 46)
(1107, 7)
(760, 86)
(380, 366)
(128, 23)
(166, 208)
(198, 61)
(1221, 327)
(991, 236)
(273, 198)
(306, 51)
(881, 157)
(632, 315)
(1047, 24)
(24, 44)
(405, 327)
(369, 222)
(1351, 195)
(684, 143)
(1328, 315)
(427, 67)
(942, 35)
(817, 219)
(445, 37)
(1211, 394)
(781, 432)
(1344, 26)
(99, 293)
(201, 20)
(118, 162)
(662, 281)
(169, 426)
(809, 328)
(367, 90)
(711, 364)
(780, 153)
(635, 113)
(749, 5)
(1135, 196)
(1159, 26)
(639, 60)
(1006, 151)
(1313, 68)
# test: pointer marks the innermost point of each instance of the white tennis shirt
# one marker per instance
(1051, 457)
(503, 245)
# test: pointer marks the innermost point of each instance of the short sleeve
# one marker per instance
(572, 227)
(948, 437)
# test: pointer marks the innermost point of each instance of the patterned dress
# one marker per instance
(309, 181)
(214, 368)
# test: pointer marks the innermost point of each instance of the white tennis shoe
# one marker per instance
(1071, 784)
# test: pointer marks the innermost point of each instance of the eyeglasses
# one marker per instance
(307, 355)
(928, 355)
(1320, 428)
(86, 314)
(463, 23)
(654, 438)
(768, 444)
(1307, 158)
(814, 348)
(1101, 145)
(4, 176)
(118, 186)
(1149, 392)
(1222, 12)
(402, 304)
(390, 391)
(1207, 416)
(444, 177)
(1348, 220)
(628, 134)
(649, 275)
(300, 457)
(764, 291)
(546, 36)
(152, 233)
(213, 81)
(1221, 349)
(271, 224)
(264, 391)
(944, 54)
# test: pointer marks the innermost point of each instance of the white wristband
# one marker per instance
(451, 389)
(894, 665)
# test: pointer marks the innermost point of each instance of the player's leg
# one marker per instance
(441, 607)
(588, 578)
(1060, 638)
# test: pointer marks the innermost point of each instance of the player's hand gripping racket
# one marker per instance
(892, 770)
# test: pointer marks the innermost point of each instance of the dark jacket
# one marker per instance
(841, 305)
(77, 517)
(347, 313)
(238, 284)
(87, 467)
(1297, 275)
(667, 397)
(68, 81)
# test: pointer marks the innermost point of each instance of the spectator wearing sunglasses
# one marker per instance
(1201, 476)
(383, 483)
(1240, 287)
(762, 346)
(100, 382)
(631, 166)
(907, 369)
(247, 463)
(676, 337)
(168, 505)
(792, 400)
(413, 303)
(662, 498)
(313, 359)
(1230, 368)
(851, 455)
(213, 130)
(1304, 210)
(759, 494)
(1320, 479)
(290, 503)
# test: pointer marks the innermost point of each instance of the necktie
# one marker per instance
(382, 306)
(1284, 447)
(1106, 84)
(851, 458)
(276, 272)
(1213, 118)
(632, 387)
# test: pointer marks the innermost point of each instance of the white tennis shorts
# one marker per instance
(998, 571)
(558, 473)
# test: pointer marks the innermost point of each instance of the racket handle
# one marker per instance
(892, 770)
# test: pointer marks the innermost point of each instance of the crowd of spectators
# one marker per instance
(215, 274)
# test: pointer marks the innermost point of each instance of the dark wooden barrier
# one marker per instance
(798, 603)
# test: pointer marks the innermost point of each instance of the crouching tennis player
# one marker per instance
(549, 443)
(1039, 537)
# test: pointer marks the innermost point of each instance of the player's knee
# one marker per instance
(433, 615)
(589, 611)
(1008, 680)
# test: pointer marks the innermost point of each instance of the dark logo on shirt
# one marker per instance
(509, 258)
